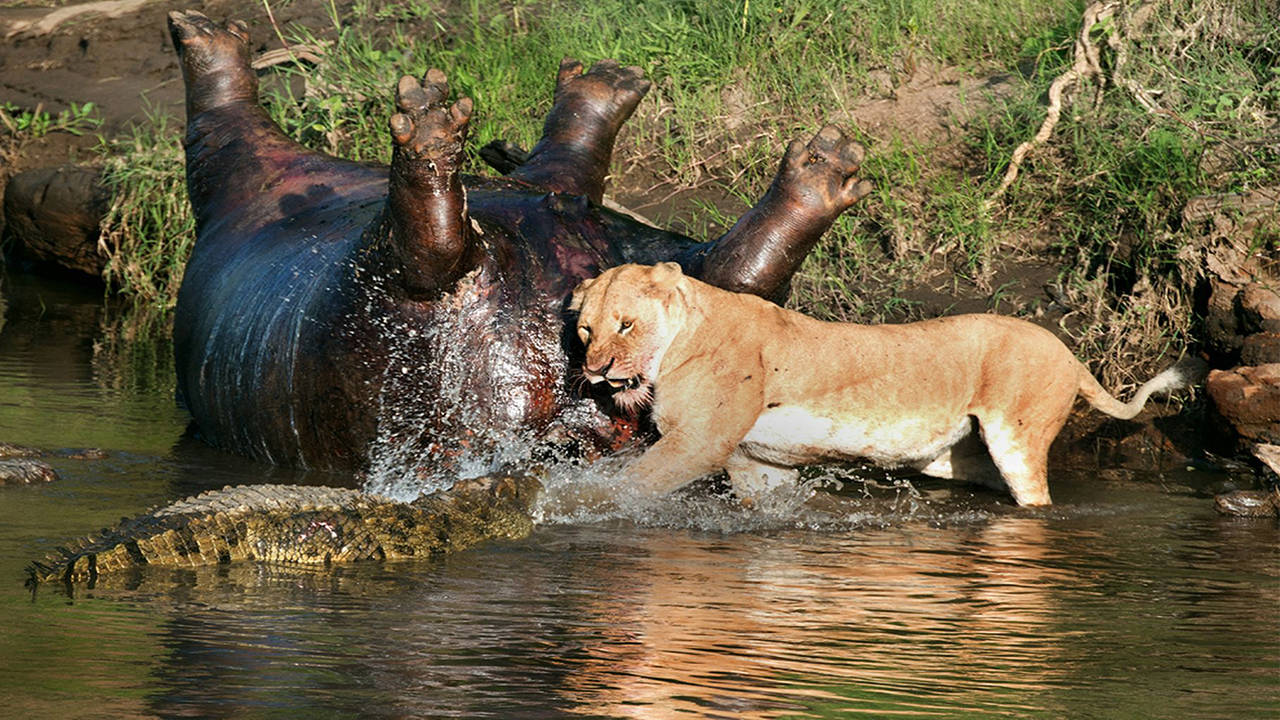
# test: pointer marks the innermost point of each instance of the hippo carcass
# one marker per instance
(334, 310)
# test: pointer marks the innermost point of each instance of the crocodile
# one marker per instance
(300, 525)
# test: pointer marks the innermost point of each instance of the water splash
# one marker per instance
(827, 499)
(451, 404)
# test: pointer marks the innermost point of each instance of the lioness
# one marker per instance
(740, 384)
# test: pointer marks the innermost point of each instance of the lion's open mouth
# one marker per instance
(634, 393)
(632, 383)
(629, 393)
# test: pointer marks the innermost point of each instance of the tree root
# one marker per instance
(1087, 64)
(51, 21)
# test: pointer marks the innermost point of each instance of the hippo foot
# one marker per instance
(821, 178)
(577, 139)
(608, 90)
(431, 239)
(426, 131)
(503, 155)
(215, 61)
(814, 184)
(195, 35)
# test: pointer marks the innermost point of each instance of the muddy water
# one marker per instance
(1124, 600)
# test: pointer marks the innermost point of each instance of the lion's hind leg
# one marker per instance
(1022, 458)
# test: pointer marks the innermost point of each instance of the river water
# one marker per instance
(1126, 599)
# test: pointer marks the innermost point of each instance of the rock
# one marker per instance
(1269, 455)
(87, 454)
(8, 451)
(26, 472)
(1261, 349)
(1249, 399)
(53, 214)
(1259, 309)
(1221, 326)
(1248, 503)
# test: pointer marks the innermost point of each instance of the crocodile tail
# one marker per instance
(1184, 373)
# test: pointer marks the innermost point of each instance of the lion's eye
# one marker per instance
(625, 327)
(584, 332)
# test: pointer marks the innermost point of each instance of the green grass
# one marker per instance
(76, 120)
(735, 81)
(149, 230)
(1111, 184)
(797, 62)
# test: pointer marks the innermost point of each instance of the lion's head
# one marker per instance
(627, 318)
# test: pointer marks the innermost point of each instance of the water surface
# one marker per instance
(1128, 599)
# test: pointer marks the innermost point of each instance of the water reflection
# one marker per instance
(747, 621)
(68, 379)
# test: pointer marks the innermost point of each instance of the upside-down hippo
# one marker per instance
(333, 310)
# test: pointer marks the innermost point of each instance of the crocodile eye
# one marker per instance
(625, 327)
(584, 332)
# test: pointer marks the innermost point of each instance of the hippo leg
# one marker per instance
(215, 61)
(424, 237)
(577, 140)
(240, 164)
(814, 185)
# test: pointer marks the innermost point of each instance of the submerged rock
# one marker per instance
(1249, 503)
(26, 471)
(9, 450)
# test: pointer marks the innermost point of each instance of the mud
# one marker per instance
(125, 65)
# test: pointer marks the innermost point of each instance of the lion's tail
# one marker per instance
(1181, 374)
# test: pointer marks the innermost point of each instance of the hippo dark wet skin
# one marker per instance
(330, 305)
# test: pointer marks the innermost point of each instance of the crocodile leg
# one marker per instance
(424, 239)
(815, 184)
(229, 135)
(577, 140)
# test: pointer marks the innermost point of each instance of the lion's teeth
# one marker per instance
(617, 383)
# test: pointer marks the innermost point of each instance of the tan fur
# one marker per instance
(743, 385)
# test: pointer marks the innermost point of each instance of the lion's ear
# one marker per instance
(575, 302)
(666, 274)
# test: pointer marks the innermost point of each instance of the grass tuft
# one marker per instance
(148, 232)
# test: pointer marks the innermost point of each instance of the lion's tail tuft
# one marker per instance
(1184, 373)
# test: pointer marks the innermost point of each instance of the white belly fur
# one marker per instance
(790, 436)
